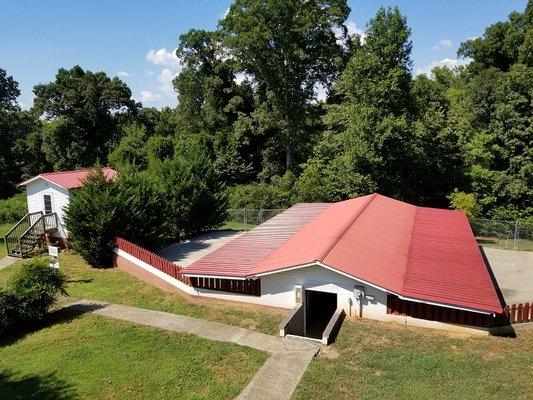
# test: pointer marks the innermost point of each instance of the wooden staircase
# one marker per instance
(29, 233)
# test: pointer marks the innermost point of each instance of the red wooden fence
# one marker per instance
(152, 259)
(520, 313)
(398, 306)
(248, 287)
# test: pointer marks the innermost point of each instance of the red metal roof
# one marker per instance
(236, 258)
(416, 252)
(71, 179)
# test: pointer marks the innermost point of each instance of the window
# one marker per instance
(47, 204)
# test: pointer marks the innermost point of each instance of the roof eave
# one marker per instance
(318, 263)
(31, 180)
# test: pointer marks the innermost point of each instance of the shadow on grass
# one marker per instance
(63, 315)
(80, 281)
(33, 386)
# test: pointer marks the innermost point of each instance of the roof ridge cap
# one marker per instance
(74, 170)
(348, 226)
(409, 248)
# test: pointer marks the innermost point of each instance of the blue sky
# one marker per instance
(135, 39)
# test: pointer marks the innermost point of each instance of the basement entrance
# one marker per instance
(319, 308)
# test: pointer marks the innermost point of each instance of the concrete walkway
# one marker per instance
(276, 379)
(7, 261)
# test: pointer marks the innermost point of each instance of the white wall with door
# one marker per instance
(46, 197)
(278, 290)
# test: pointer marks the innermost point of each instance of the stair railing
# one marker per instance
(11, 238)
(35, 233)
(50, 221)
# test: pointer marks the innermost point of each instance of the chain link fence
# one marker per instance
(242, 219)
(509, 235)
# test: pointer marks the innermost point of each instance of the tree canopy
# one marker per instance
(83, 111)
(279, 104)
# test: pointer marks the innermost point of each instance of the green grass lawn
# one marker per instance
(91, 357)
(3, 230)
(376, 360)
(115, 286)
(235, 226)
(507, 244)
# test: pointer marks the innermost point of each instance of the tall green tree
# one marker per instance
(287, 48)
(369, 143)
(494, 107)
(85, 111)
(16, 162)
(211, 101)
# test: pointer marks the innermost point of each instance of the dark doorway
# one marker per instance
(319, 308)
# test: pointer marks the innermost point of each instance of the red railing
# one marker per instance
(247, 287)
(251, 287)
(152, 259)
(398, 306)
(520, 313)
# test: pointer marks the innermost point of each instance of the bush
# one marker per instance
(279, 193)
(140, 208)
(173, 198)
(90, 218)
(13, 208)
(194, 197)
(30, 294)
(466, 202)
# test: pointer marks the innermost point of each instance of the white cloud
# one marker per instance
(321, 92)
(448, 62)
(162, 88)
(124, 74)
(352, 29)
(149, 97)
(163, 57)
(240, 77)
(443, 43)
(165, 79)
(225, 13)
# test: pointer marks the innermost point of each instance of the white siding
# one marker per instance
(60, 198)
(278, 290)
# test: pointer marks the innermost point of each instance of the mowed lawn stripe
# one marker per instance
(92, 357)
(379, 360)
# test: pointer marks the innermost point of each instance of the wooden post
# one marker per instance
(519, 314)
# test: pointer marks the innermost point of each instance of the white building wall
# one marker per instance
(277, 290)
(60, 198)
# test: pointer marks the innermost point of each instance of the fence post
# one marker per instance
(516, 235)
(245, 220)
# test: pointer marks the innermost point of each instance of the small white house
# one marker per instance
(50, 193)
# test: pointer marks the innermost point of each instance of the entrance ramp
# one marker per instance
(333, 326)
(294, 325)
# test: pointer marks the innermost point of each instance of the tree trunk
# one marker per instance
(288, 156)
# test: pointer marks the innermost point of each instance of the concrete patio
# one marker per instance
(190, 250)
(513, 271)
